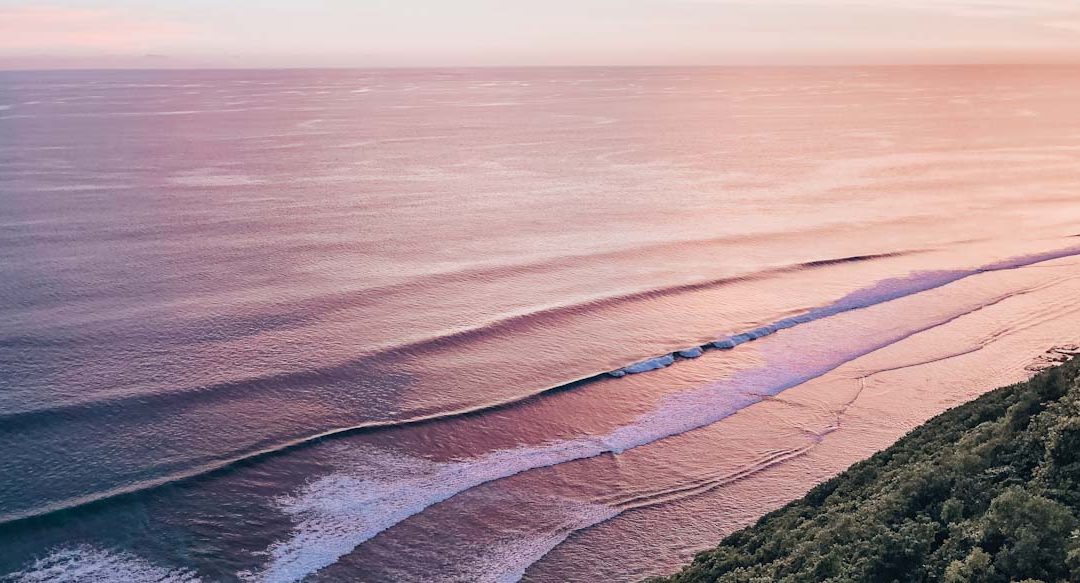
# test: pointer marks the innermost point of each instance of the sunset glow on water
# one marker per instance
(359, 324)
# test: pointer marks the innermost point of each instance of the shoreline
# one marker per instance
(841, 419)
(935, 466)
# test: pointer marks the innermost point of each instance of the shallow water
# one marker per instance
(355, 324)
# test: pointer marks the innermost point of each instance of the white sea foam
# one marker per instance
(506, 563)
(86, 564)
(336, 513)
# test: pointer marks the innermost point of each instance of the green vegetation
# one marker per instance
(986, 492)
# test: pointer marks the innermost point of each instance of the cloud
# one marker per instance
(1069, 25)
(46, 29)
(960, 8)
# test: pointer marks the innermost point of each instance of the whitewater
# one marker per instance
(498, 325)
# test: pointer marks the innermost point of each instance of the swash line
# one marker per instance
(848, 303)
(293, 559)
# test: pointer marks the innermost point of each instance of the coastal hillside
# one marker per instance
(986, 492)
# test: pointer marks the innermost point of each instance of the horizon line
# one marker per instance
(413, 67)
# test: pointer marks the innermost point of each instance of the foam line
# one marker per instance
(85, 564)
(336, 513)
(507, 563)
(884, 291)
(881, 292)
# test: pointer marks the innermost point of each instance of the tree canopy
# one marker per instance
(986, 492)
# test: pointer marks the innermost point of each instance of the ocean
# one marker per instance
(533, 324)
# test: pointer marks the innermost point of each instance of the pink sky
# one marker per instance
(493, 32)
